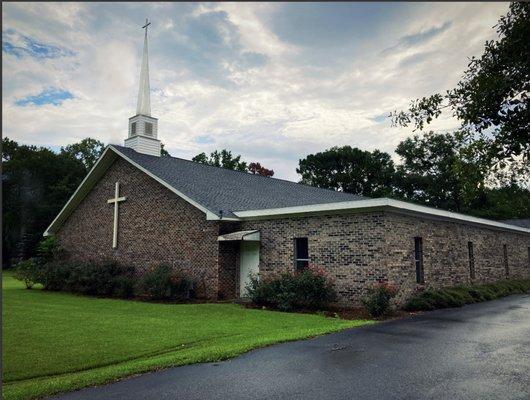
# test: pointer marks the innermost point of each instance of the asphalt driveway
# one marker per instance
(481, 351)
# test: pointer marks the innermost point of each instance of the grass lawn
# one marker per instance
(55, 342)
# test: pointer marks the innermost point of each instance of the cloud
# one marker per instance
(49, 96)
(273, 82)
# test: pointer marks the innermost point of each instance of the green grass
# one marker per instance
(458, 296)
(54, 342)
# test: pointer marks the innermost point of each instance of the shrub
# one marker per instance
(124, 286)
(54, 275)
(163, 283)
(460, 295)
(49, 249)
(310, 289)
(377, 299)
(28, 272)
(98, 279)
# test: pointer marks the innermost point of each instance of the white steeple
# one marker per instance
(143, 129)
(144, 103)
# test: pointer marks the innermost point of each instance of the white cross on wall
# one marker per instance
(116, 201)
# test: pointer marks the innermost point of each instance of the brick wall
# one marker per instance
(360, 249)
(445, 248)
(155, 226)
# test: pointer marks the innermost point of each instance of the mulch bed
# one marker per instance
(346, 313)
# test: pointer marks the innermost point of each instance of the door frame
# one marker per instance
(255, 259)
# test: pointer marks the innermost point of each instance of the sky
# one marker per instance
(273, 82)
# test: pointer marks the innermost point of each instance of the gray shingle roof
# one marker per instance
(522, 222)
(220, 189)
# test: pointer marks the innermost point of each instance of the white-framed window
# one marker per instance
(301, 253)
(133, 128)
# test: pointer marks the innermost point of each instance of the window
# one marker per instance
(301, 253)
(471, 260)
(506, 268)
(418, 259)
(133, 128)
(149, 129)
(529, 257)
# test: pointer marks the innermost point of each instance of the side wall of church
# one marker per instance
(358, 250)
(155, 226)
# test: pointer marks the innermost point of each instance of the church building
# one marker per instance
(218, 226)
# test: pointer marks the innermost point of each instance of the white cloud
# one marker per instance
(221, 70)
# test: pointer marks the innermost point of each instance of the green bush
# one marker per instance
(28, 272)
(124, 286)
(163, 283)
(460, 295)
(307, 290)
(377, 299)
(55, 274)
(49, 249)
(98, 279)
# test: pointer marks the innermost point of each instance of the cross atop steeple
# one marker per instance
(147, 23)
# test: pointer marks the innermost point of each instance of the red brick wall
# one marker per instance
(155, 226)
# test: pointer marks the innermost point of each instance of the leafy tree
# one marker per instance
(443, 170)
(505, 202)
(438, 170)
(163, 151)
(36, 183)
(492, 98)
(223, 158)
(256, 169)
(87, 151)
(350, 170)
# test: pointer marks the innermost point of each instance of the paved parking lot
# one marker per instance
(481, 351)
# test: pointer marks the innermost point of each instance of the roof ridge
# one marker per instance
(257, 175)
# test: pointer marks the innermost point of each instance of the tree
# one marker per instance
(492, 98)
(163, 151)
(350, 170)
(223, 158)
(36, 183)
(439, 170)
(506, 202)
(256, 169)
(87, 151)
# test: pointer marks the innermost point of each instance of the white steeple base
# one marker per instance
(143, 135)
(144, 144)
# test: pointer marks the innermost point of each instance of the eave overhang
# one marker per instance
(374, 205)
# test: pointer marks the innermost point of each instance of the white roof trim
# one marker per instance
(359, 205)
(164, 183)
(78, 195)
(247, 236)
(375, 203)
(55, 221)
(210, 216)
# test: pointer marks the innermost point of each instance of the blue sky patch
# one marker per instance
(49, 96)
(21, 45)
(380, 118)
(204, 139)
